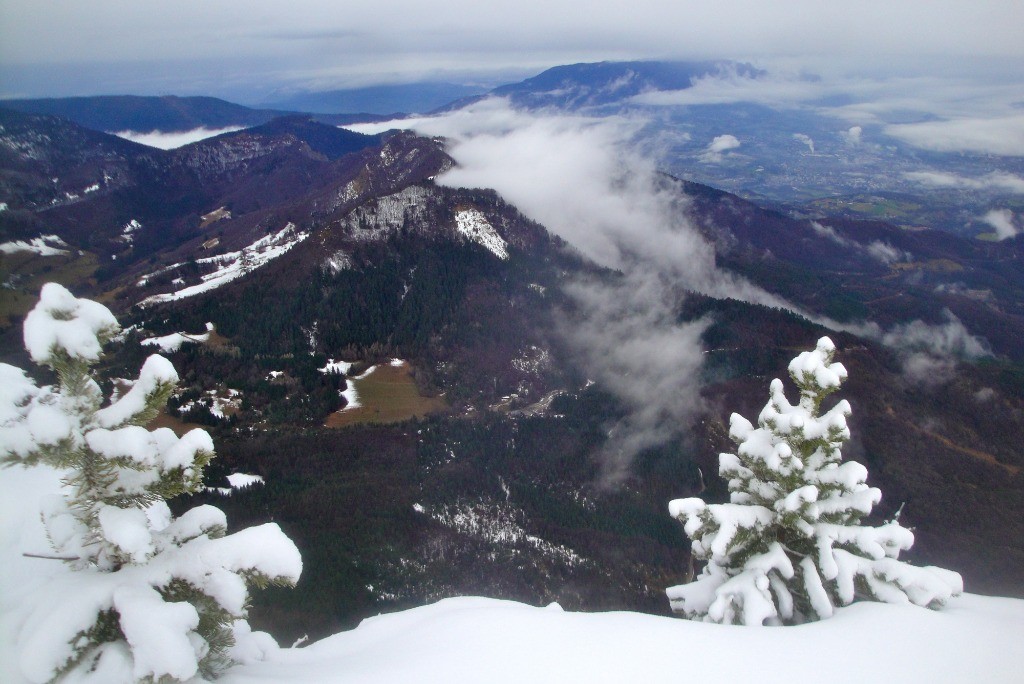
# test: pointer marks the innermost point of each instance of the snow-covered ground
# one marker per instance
(336, 367)
(129, 228)
(486, 640)
(351, 393)
(243, 480)
(170, 141)
(44, 245)
(376, 220)
(173, 342)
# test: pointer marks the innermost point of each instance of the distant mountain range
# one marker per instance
(565, 87)
(593, 85)
(169, 113)
(384, 100)
(797, 157)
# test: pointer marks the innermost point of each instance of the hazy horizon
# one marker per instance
(253, 52)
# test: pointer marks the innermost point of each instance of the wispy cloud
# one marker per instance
(580, 178)
(805, 139)
(929, 112)
(997, 180)
(997, 135)
(886, 253)
(929, 353)
(627, 337)
(878, 250)
(830, 233)
(732, 88)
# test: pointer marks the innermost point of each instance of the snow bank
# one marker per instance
(477, 639)
(44, 245)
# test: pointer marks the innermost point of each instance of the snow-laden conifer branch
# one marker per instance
(789, 546)
(147, 596)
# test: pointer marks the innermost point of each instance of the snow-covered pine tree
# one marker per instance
(789, 547)
(147, 596)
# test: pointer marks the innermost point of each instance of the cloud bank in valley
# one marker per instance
(852, 135)
(582, 179)
(170, 141)
(579, 178)
(953, 114)
(1000, 181)
(997, 135)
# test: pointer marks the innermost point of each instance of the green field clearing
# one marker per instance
(387, 395)
(24, 273)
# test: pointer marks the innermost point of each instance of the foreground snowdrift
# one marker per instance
(487, 640)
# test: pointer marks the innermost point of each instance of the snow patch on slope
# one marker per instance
(333, 366)
(219, 402)
(44, 245)
(337, 262)
(234, 265)
(242, 480)
(375, 219)
(128, 229)
(497, 525)
(172, 343)
(350, 393)
(472, 224)
(237, 481)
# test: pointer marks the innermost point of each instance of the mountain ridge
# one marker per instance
(166, 113)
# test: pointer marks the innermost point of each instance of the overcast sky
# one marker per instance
(61, 47)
